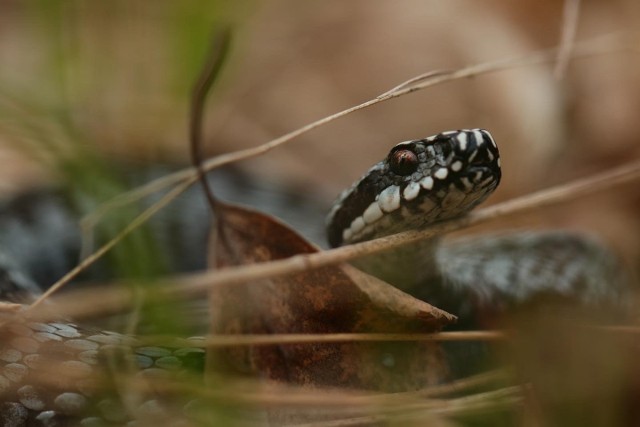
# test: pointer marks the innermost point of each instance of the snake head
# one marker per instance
(418, 183)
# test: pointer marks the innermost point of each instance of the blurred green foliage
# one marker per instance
(87, 76)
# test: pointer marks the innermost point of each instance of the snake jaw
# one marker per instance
(420, 182)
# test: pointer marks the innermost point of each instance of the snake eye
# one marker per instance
(403, 162)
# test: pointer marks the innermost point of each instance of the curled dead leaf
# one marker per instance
(336, 299)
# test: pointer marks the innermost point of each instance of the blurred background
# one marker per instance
(100, 83)
(113, 79)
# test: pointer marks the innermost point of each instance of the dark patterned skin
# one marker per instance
(55, 374)
(62, 374)
(418, 183)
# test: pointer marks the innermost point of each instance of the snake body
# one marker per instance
(418, 183)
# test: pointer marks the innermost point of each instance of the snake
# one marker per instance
(48, 371)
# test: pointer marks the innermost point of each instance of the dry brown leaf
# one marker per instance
(336, 299)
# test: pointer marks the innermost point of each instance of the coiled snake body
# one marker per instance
(48, 372)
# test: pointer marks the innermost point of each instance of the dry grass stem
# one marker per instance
(233, 340)
(504, 397)
(198, 283)
(596, 46)
(464, 384)
(268, 394)
(186, 178)
(135, 223)
(230, 391)
(277, 395)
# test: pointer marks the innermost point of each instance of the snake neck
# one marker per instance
(408, 268)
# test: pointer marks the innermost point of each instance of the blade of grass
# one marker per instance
(624, 174)
(300, 263)
(198, 283)
(597, 46)
(211, 70)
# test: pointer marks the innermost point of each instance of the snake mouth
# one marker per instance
(418, 183)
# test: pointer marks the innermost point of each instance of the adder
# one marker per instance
(418, 183)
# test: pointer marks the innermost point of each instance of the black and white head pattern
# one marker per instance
(419, 182)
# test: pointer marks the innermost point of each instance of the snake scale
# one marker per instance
(49, 371)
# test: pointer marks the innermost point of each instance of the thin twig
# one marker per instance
(187, 177)
(232, 340)
(562, 193)
(210, 72)
(280, 339)
(183, 176)
(463, 384)
(596, 46)
(425, 411)
(134, 224)
(414, 80)
(291, 396)
(198, 283)
(507, 396)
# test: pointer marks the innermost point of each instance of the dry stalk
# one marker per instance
(185, 178)
(232, 340)
(503, 398)
(463, 384)
(596, 46)
(198, 283)
(277, 395)
(134, 224)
